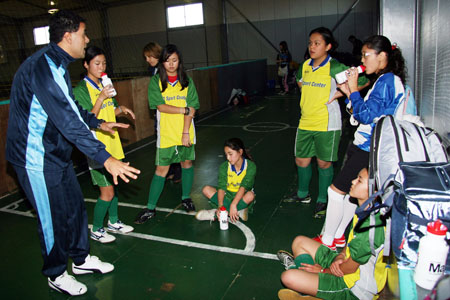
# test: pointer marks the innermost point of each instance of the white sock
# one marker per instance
(335, 211)
(347, 216)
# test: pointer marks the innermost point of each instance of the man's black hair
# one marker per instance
(64, 21)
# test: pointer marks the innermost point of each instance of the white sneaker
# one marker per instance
(92, 264)
(119, 227)
(102, 236)
(206, 215)
(243, 214)
(67, 284)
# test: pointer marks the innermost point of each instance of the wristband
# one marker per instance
(187, 110)
(121, 111)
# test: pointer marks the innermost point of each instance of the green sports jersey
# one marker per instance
(231, 180)
(318, 87)
(170, 126)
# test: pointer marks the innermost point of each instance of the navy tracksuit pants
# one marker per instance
(62, 219)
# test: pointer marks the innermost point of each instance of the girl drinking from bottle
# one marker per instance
(235, 186)
(94, 97)
(385, 61)
(174, 96)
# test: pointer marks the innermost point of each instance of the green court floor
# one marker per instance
(174, 256)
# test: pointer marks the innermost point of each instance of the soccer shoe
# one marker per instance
(188, 205)
(319, 239)
(119, 227)
(286, 259)
(243, 214)
(206, 215)
(92, 264)
(340, 242)
(67, 284)
(320, 210)
(102, 236)
(295, 198)
(144, 215)
(287, 294)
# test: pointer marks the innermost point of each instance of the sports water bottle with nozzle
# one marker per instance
(107, 81)
(342, 76)
(432, 255)
(223, 218)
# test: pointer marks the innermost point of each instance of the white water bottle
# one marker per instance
(432, 255)
(107, 81)
(223, 218)
(342, 76)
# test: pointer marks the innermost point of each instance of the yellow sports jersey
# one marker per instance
(231, 180)
(170, 126)
(318, 87)
(86, 93)
(371, 276)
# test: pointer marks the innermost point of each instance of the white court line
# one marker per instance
(247, 251)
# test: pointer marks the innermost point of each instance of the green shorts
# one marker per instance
(322, 144)
(175, 154)
(101, 177)
(330, 286)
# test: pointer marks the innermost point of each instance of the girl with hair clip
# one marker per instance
(385, 61)
(319, 129)
(174, 96)
(96, 98)
(235, 185)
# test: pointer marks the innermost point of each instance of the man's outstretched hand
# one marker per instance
(123, 169)
(109, 126)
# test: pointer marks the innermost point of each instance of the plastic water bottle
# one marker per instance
(342, 76)
(107, 81)
(223, 218)
(432, 255)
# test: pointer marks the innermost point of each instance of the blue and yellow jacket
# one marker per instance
(44, 118)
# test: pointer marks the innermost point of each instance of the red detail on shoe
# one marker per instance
(340, 242)
(319, 239)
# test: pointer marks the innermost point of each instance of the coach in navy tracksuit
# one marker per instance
(44, 123)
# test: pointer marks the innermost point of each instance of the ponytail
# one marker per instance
(396, 62)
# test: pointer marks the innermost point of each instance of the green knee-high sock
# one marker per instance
(304, 178)
(187, 178)
(325, 179)
(155, 191)
(112, 212)
(215, 203)
(303, 259)
(101, 207)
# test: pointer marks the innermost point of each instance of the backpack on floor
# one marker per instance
(408, 173)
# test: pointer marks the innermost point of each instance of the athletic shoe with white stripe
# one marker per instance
(102, 236)
(119, 227)
(92, 264)
(67, 284)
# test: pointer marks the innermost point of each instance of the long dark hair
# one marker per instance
(284, 47)
(396, 62)
(327, 36)
(237, 144)
(181, 72)
(91, 52)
